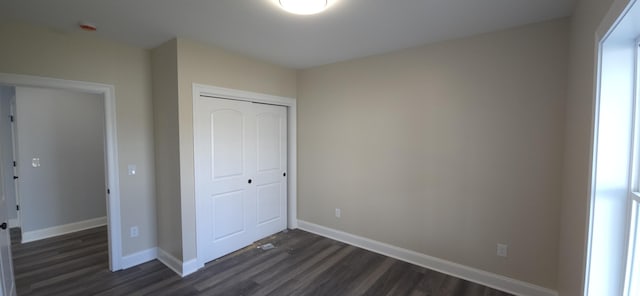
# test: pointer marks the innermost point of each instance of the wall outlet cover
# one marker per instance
(134, 231)
(502, 250)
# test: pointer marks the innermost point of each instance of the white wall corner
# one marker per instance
(181, 268)
(485, 278)
(138, 258)
(35, 235)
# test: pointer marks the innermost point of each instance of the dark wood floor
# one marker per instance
(301, 264)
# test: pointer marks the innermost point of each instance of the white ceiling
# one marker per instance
(259, 28)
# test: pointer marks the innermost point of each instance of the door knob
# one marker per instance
(3, 225)
(249, 181)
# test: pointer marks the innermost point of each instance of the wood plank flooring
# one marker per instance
(301, 264)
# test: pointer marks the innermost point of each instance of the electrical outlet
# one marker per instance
(502, 250)
(338, 213)
(134, 231)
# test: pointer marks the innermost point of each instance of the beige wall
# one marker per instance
(445, 149)
(204, 64)
(438, 136)
(164, 66)
(577, 156)
(43, 52)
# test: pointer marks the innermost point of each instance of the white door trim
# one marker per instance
(290, 103)
(17, 222)
(113, 199)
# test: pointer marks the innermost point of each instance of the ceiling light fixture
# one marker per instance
(304, 7)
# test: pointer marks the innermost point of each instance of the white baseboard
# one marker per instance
(139, 258)
(35, 235)
(190, 267)
(182, 269)
(482, 277)
(172, 262)
(14, 223)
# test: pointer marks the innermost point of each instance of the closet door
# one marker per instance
(224, 162)
(271, 165)
(240, 156)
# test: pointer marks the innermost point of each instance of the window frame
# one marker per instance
(633, 212)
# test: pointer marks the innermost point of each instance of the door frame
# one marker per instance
(9, 260)
(292, 154)
(111, 148)
(17, 222)
(14, 222)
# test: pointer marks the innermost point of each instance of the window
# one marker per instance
(632, 277)
(633, 270)
(613, 262)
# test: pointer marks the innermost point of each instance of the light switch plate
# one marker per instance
(131, 169)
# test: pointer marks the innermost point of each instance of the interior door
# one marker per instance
(240, 156)
(6, 265)
(7, 286)
(271, 169)
(223, 159)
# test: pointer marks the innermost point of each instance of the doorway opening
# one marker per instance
(104, 94)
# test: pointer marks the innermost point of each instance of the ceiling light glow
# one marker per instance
(303, 6)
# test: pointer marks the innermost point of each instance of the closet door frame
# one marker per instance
(290, 103)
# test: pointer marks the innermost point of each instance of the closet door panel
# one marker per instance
(224, 162)
(240, 166)
(271, 185)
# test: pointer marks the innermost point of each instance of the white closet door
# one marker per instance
(240, 156)
(271, 180)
